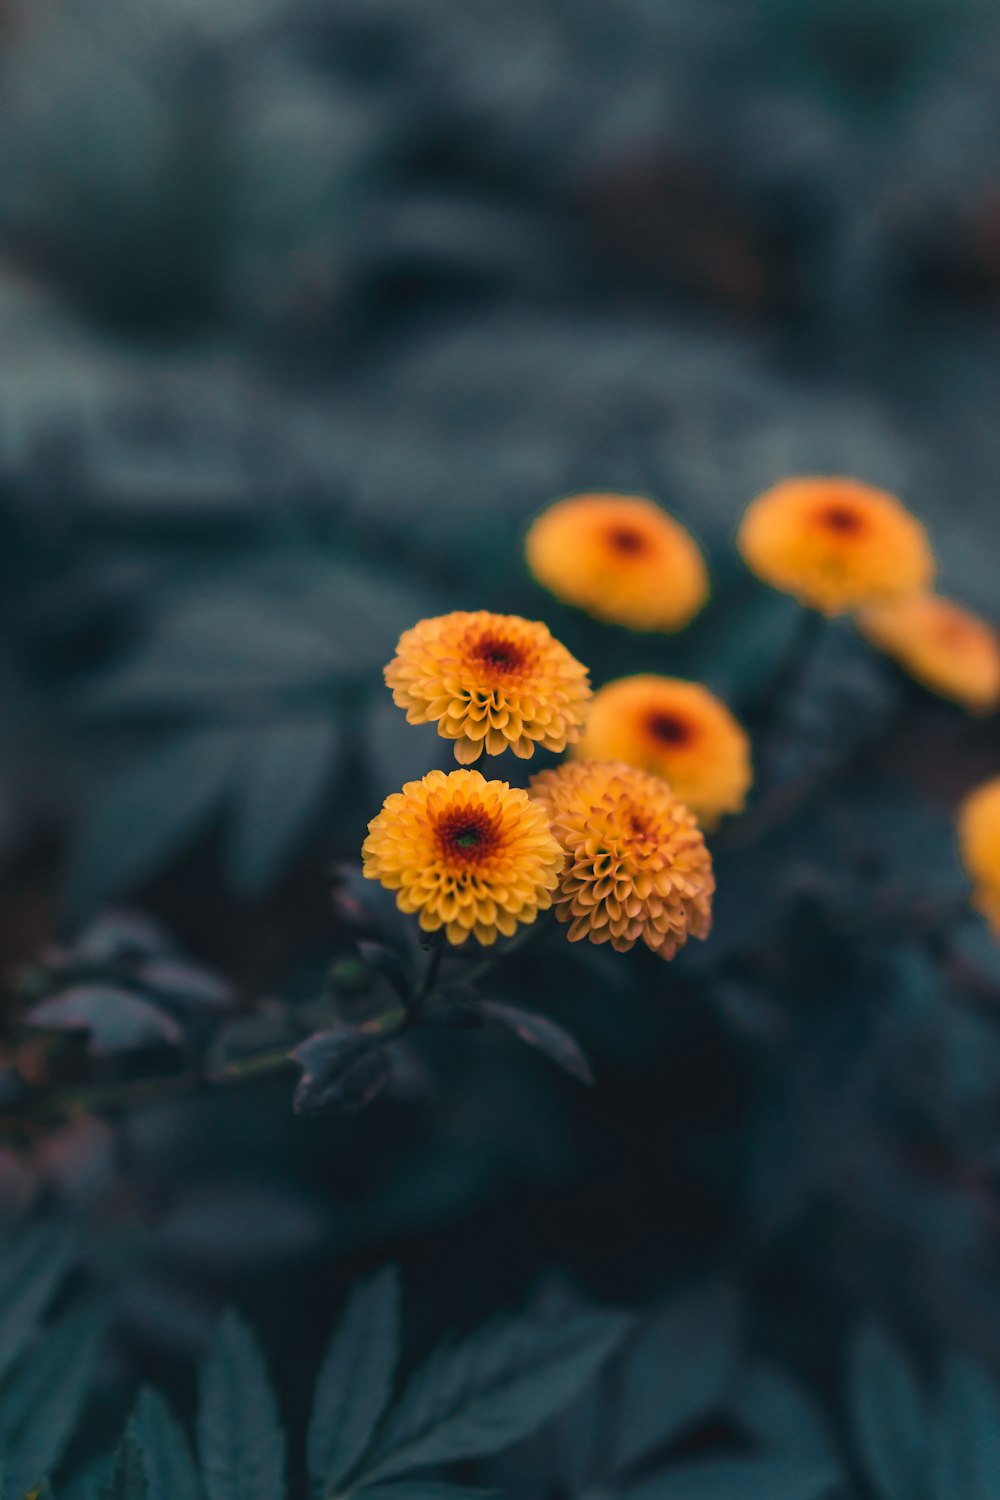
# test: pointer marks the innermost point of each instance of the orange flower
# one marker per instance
(621, 558)
(947, 648)
(979, 842)
(491, 682)
(637, 866)
(836, 544)
(677, 730)
(469, 855)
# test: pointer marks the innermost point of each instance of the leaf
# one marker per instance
(128, 1476)
(493, 1388)
(31, 1271)
(355, 1380)
(116, 1019)
(427, 1489)
(170, 1467)
(150, 811)
(544, 1035)
(239, 1436)
(186, 983)
(776, 1411)
(735, 1479)
(40, 1409)
(280, 788)
(887, 1415)
(965, 1435)
(676, 1372)
(341, 1069)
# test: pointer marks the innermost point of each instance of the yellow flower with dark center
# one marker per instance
(945, 647)
(490, 682)
(677, 730)
(979, 842)
(467, 855)
(835, 544)
(636, 863)
(621, 558)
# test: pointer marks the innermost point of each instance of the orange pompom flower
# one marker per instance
(945, 647)
(979, 842)
(636, 867)
(677, 730)
(835, 544)
(490, 682)
(621, 558)
(468, 855)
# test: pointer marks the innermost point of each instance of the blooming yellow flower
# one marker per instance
(490, 682)
(621, 558)
(467, 854)
(677, 730)
(947, 648)
(979, 841)
(835, 543)
(637, 865)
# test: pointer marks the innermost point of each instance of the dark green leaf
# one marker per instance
(495, 1387)
(777, 1412)
(149, 812)
(280, 788)
(965, 1436)
(676, 1372)
(342, 1069)
(170, 1467)
(735, 1479)
(186, 983)
(31, 1270)
(128, 1476)
(544, 1035)
(116, 1019)
(355, 1380)
(239, 1436)
(888, 1416)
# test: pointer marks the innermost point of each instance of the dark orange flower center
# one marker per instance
(502, 655)
(841, 518)
(668, 728)
(467, 833)
(628, 540)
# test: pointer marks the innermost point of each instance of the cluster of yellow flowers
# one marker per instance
(612, 838)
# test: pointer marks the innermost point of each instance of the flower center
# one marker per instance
(466, 833)
(628, 540)
(668, 728)
(502, 655)
(841, 518)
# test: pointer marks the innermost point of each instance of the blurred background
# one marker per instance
(307, 306)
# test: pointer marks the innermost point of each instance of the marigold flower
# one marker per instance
(979, 842)
(677, 730)
(467, 854)
(492, 682)
(621, 558)
(637, 865)
(947, 648)
(835, 544)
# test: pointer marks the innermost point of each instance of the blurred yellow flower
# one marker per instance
(677, 730)
(835, 544)
(621, 558)
(947, 648)
(490, 682)
(468, 855)
(637, 866)
(979, 841)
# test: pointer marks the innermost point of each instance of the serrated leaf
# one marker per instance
(676, 1372)
(482, 1394)
(116, 1020)
(887, 1415)
(965, 1435)
(128, 1475)
(343, 1068)
(735, 1479)
(544, 1035)
(240, 1440)
(355, 1380)
(31, 1271)
(279, 788)
(170, 1466)
(40, 1408)
(149, 812)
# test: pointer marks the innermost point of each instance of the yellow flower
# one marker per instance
(979, 841)
(467, 854)
(677, 730)
(490, 682)
(621, 558)
(947, 648)
(637, 865)
(836, 544)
